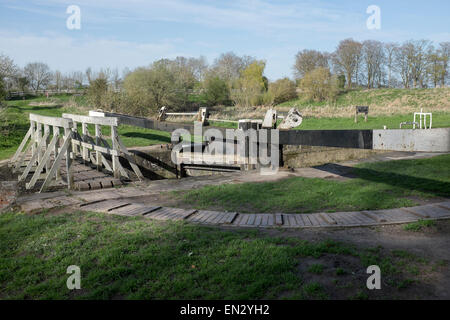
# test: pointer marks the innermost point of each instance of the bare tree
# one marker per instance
(38, 74)
(58, 79)
(373, 57)
(389, 49)
(8, 71)
(445, 52)
(308, 60)
(419, 62)
(403, 61)
(229, 66)
(347, 59)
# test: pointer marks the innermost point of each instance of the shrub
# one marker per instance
(164, 83)
(2, 90)
(282, 90)
(97, 93)
(319, 85)
(247, 90)
(216, 91)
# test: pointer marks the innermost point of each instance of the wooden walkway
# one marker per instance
(124, 201)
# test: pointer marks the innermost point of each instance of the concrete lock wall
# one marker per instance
(428, 140)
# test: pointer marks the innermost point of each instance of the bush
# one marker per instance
(282, 90)
(97, 94)
(164, 83)
(248, 89)
(2, 90)
(319, 85)
(216, 91)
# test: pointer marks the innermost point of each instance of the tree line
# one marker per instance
(186, 83)
(374, 64)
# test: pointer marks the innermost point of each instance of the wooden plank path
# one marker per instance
(126, 202)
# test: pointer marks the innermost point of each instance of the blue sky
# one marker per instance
(131, 33)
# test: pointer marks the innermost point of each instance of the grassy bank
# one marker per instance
(398, 100)
(380, 185)
(134, 258)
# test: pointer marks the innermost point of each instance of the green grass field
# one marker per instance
(440, 120)
(380, 185)
(136, 258)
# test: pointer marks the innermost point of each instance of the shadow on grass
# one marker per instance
(147, 136)
(433, 187)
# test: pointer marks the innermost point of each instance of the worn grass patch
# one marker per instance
(380, 185)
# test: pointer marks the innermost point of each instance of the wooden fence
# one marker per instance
(93, 148)
(43, 149)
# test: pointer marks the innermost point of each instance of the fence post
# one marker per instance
(68, 135)
(115, 158)
(98, 135)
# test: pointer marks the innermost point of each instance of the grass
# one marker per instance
(379, 185)
(135, 258)
(440, 120)
(316, 268)
(15, 124)
(396, 99)
(419, 225)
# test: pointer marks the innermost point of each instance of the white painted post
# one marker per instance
(56, 134)
(68, 135)
(33, 137)
(39, 138)
(47, 133)
(98, 135)
(115, 158)
(85, 132)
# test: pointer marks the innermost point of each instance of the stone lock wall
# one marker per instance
(307, 156)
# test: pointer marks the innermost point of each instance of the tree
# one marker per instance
(347, 59)
(444, 47)
(251, 84)
(216, 90)
(282, 90)
(373, 57)
(7, 66)
(389, 49)
(38, 75)
(436, 66)
(165, 83)
(308, 60)
(229, 66)
(419, 62)
(97, 93)
(403, 62)
(2, 90)
(319, 85)
(8, 71)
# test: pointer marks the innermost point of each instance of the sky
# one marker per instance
(132, 33)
